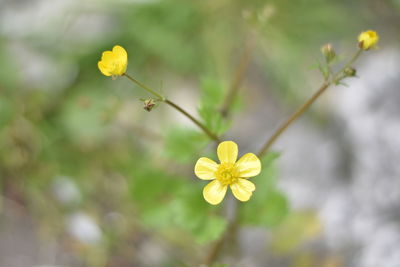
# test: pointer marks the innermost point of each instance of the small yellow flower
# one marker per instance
(114, 63)
(368, 40)
(229, 172)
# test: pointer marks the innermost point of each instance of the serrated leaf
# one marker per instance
(211, 230)
(268, 213)
(191, 213)
(183, 145)
(268, 206)
(276, 208)
(212, 92)
(212, 96)
(213, 119)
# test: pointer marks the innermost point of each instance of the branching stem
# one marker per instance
(326, 84)
(207, 131)
(232, 227)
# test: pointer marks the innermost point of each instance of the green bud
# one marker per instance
(349, 72)
(328, 52)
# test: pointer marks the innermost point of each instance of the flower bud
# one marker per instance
(368, 40)
(149, 104)
(349, 72)
(328, 52)
(114, 63)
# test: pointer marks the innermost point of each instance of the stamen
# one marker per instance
(227, 173)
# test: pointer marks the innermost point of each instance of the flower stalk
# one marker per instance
(237, 80)
(207, 131)
(334, 80)
(145, 87)
(216, 249)
(210, 134)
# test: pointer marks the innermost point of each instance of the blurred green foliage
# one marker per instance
(212, 97)
(298, 228)
(184, 145)
(59, 117)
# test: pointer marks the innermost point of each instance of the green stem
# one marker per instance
(229, 234)
(210, 134)
(352, 60)
(292, 118)
(237, 80)
(148, 89)
(195, 121)
(306, 105)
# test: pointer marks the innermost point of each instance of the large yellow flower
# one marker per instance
(228, 173)
(368, 40)
(114, 63)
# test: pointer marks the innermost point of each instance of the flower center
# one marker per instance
(227, 173)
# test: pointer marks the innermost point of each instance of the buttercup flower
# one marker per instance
(368, 40)
(228, 173)
(114, 63)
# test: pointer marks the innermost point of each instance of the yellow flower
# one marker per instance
(229, 172)
(368, 40)
(114, 63)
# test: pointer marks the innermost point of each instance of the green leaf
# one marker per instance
(193, 214)
(268, 206)
(184, 145)
(211, 230)
(269, 213)
(276, 208)
(212, 92)
(213, 119)
(156, 217)
(152, 191)
(211, 100)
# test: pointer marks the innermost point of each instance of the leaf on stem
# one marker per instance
(268, 206)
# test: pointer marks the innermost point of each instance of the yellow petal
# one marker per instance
(368, 40)
(107, 57)
(214, 192)
(205, 168)
(121, 69)
(120, 52)
(121, 57)
(243, 189)
(227, 152)
(103, 68)
(248, 165)
(115, 62)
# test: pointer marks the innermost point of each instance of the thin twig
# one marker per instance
(292, 118)
(237, 80)
(145, 87)
(335, 79)
(230, 232)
